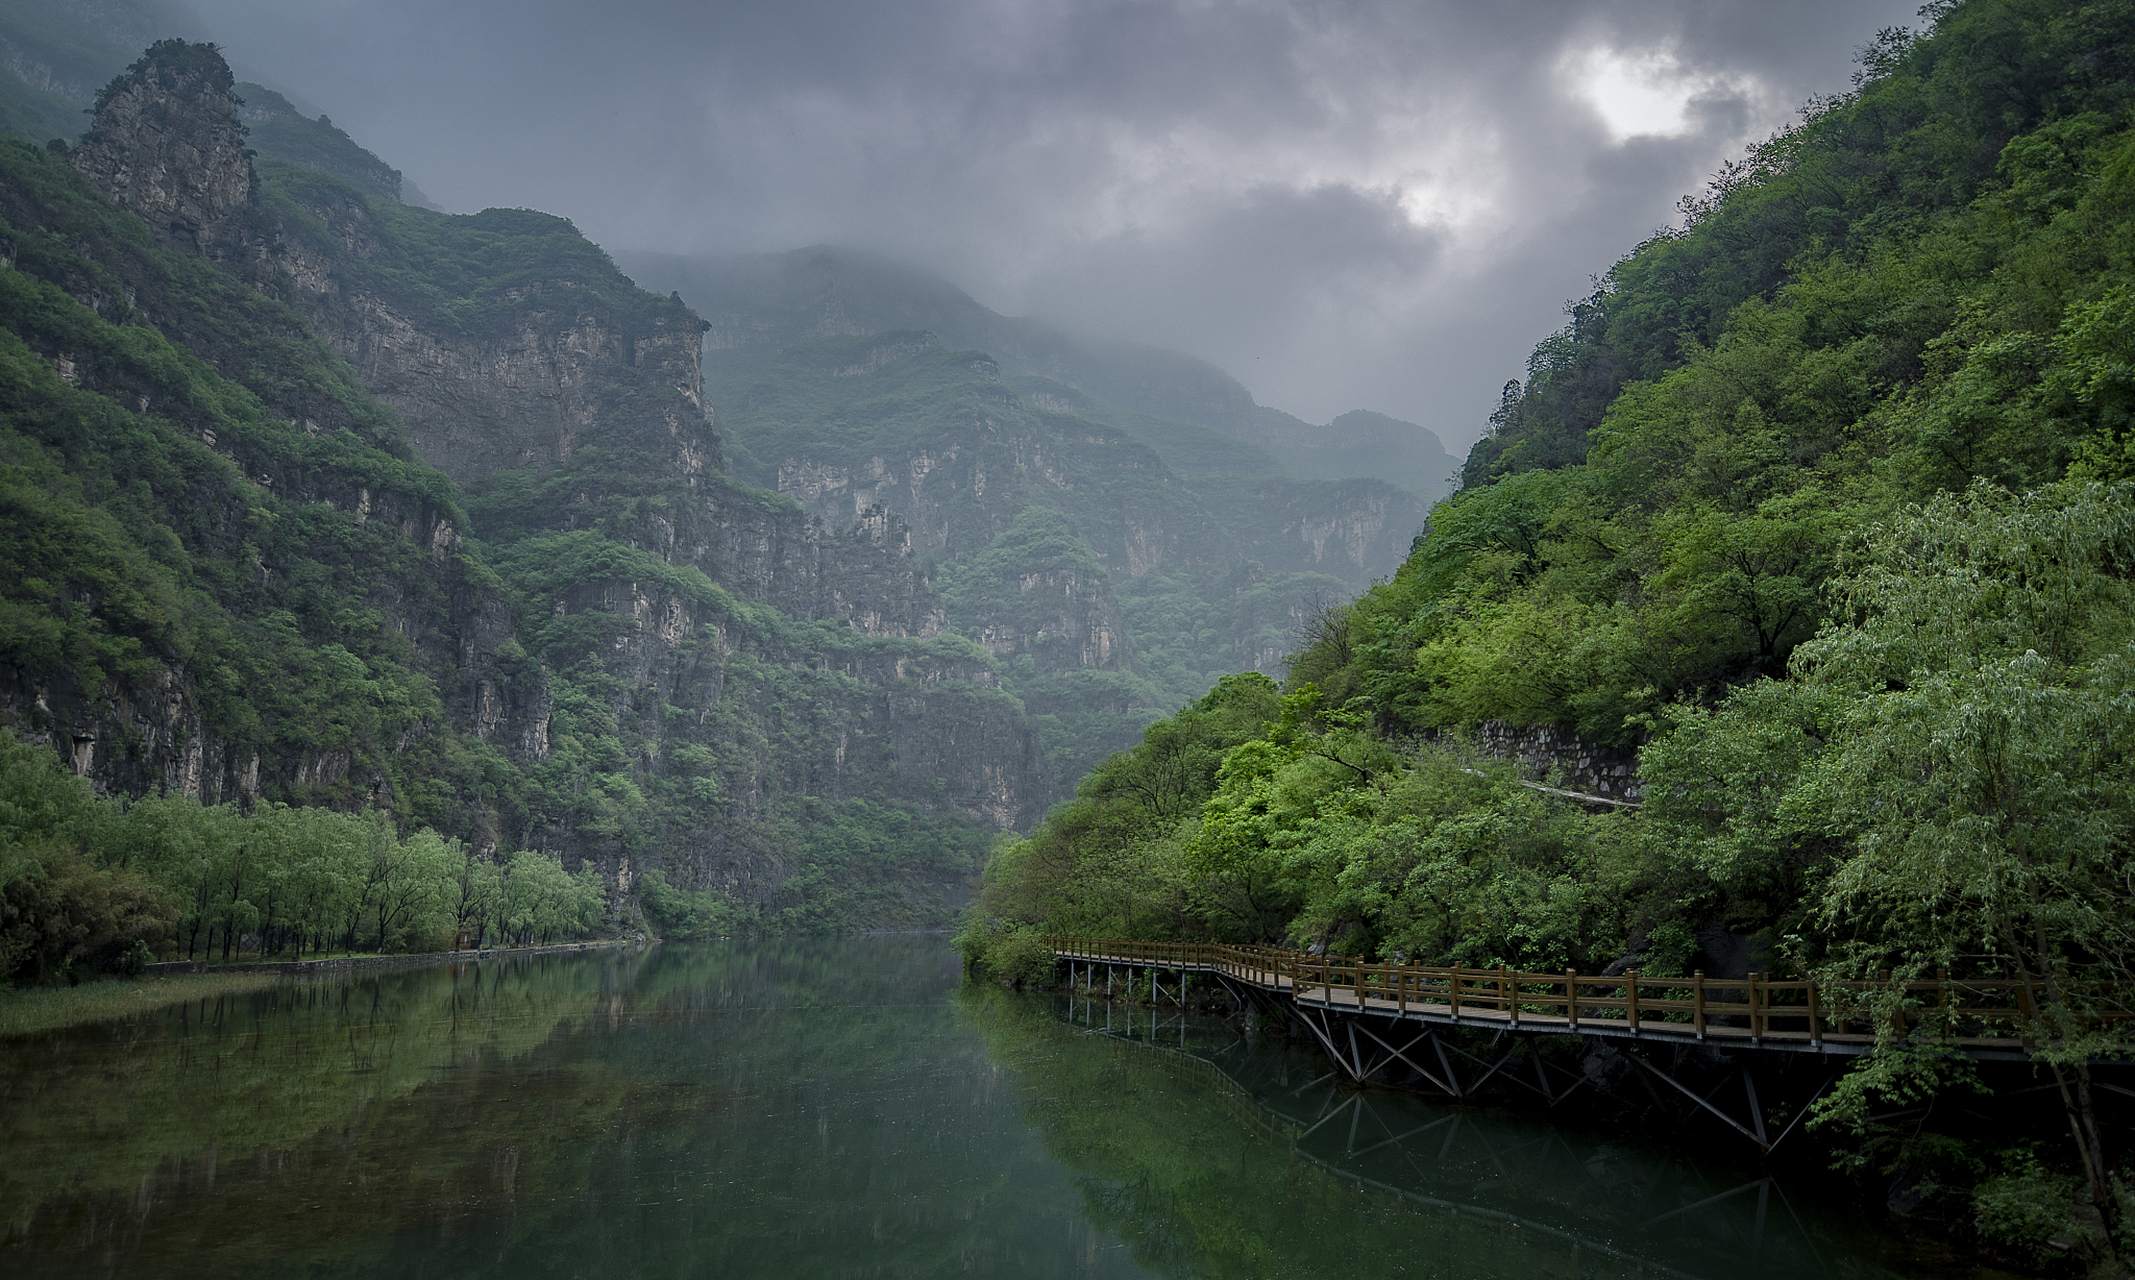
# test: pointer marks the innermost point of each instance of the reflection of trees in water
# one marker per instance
(115, 1133)
(791, 1107)
(1384, 1174)
(798, 1108)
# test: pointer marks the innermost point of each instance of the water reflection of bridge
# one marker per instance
(1650, 1212)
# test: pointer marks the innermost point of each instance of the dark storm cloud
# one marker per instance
(1349, 205)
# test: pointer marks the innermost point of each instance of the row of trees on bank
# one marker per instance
(100, 885)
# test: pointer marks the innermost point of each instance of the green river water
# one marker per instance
(832, 1108)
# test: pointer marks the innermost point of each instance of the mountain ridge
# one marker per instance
(776, 299)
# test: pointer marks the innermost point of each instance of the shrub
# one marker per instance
(61, 917)
(2025, 1206)
(683, 914)
(1013, 955)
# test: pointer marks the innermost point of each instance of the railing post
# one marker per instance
(1697, 1001)
(1453, 992)
(1756, 1008)
(1630, 1003)
(1816, 1020)
(1508, 992)
(1571, 997)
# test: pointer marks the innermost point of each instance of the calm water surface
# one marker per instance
(824, 1108)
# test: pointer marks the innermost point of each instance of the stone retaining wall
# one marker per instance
(1546, 751)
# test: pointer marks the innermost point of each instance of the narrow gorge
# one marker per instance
(501, 576)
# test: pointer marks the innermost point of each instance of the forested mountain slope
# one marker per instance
(1184, 577)
(241, 580)
(597, 642)
(1823, 504)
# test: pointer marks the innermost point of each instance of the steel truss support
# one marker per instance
(1318, 1028)
(1449, 1084)
(1446, 1077)
(1755, 1130)
(1358, 1052)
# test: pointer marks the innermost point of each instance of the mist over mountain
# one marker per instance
(769, 300)
(380, 578)
(1372, 205)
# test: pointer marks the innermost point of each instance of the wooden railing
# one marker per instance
(1973, 1012)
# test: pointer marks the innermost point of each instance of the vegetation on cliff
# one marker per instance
(1821, 501)
(276, 128)
(1115, 566)
(235, 581)
(162, 512)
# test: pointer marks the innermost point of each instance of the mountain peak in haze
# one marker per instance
(777, 299)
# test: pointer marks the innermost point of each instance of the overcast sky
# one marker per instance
(1376, 205)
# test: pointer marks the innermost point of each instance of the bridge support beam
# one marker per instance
(1360, 1050)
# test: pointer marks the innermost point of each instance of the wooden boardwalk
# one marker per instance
(1754, 1012)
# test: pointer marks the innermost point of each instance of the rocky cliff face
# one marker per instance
(1333, 526)
(167, 146)
(571, 357)
(230, 587)
(519, 378)
(568, 401)
(696, 674)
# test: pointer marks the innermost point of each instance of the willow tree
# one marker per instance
(1979, 772)
(1953, 754)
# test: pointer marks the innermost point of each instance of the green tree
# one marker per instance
(472, 895)
(540, 900)
(63, 907)
(1952, 763)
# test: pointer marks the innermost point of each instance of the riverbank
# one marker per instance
(39, 1009)
(417, 960)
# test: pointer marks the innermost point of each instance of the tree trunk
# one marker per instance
(2074, 1081)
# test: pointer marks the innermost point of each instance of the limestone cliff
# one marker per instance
(225, 584)
(566, 401)
(642, 661)
(167, 146)
(1190, 575)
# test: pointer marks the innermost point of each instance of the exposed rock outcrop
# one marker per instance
(166, 144)
(569, 382)
(1550, 753)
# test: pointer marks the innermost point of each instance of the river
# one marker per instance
(837, 1108)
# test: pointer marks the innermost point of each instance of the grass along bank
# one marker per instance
(35, 1009)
